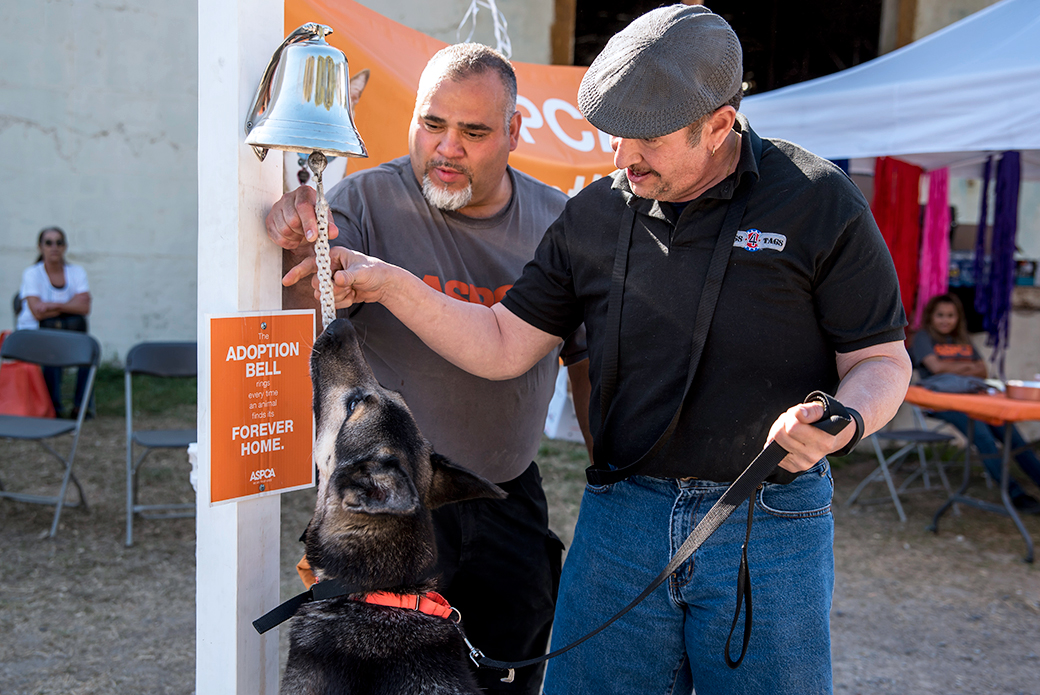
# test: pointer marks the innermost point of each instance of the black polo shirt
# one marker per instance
(809, 276)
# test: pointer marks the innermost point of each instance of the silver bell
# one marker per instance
(303, 101)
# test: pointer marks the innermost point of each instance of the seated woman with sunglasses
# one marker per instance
(55, 294)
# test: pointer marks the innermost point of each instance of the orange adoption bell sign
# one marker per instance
(262, 427)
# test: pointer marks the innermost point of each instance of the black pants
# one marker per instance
(499, 565)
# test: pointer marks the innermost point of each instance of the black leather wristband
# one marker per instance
(858, 420)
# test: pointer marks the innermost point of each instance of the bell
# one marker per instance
(303, 102)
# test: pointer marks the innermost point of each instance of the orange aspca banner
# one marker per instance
(557, 145)
(261, 424)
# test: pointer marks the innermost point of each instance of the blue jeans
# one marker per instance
(52, 376)
(986, 438)
(673, 641)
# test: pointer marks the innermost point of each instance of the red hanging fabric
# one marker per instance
(896, 207)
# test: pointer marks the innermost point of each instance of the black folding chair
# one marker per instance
(51, 348)
(909, 441)
(178, 359)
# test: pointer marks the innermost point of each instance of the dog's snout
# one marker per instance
(376, 486)
(341, 335)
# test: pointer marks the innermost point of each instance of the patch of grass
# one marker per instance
(563, 453)
(563, 473)
(152, 395)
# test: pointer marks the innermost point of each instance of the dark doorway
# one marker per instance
(783, 42)
(595, 21)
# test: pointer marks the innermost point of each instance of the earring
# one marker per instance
(713, 151)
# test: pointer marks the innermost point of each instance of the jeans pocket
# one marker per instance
(808, 495)
(599, 489)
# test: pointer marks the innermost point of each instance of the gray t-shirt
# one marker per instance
(946, 350)
(492, 427)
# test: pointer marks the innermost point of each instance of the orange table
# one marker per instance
(993, 409)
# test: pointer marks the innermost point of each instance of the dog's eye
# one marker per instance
(352, 404)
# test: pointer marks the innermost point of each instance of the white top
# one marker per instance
(35, 283)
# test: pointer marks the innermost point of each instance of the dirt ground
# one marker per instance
(914, 612)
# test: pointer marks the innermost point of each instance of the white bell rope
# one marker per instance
(317, 163)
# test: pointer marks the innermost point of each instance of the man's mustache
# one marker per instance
(441, 164)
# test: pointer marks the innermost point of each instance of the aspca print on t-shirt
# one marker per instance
(954, 351)
(467, 292)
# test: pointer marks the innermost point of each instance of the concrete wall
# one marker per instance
(933, 15)
(98, 131)
(904, 21)
(98, 128)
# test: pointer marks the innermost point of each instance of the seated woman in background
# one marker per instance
(942, 346)
(55, 294)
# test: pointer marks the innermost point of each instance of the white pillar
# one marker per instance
(237, 549)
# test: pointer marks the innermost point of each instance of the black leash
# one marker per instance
(835, 418)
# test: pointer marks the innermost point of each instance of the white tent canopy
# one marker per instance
(950, 99)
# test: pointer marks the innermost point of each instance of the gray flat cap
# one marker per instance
(662, 72)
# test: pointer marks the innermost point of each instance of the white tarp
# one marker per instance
(949, 99)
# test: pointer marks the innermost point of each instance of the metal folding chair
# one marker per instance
(911, 440)
(51, 348)
(177, 359)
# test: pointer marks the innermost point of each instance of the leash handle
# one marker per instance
(836, 416)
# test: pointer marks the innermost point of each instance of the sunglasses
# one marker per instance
(53, 242)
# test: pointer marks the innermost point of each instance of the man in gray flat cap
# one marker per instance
(707, 234)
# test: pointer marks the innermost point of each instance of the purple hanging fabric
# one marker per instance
(996, 319)
(981, 270)
(935, 248)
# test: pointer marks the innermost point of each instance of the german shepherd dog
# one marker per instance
(371, 531)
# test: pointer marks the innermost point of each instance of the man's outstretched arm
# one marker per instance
(490, 342)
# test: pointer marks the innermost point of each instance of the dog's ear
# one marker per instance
(357, 85)
(452, 483)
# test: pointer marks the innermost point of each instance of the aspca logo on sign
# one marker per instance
(261, 475)
(755, 240)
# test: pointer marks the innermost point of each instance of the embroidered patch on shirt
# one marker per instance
(755, 240)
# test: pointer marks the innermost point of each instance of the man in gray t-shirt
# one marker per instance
(491, 427)
(455, 214)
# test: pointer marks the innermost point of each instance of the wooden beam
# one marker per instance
(562, 32)
(907, 22)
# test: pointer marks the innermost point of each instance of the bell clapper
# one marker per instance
(317, 163)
